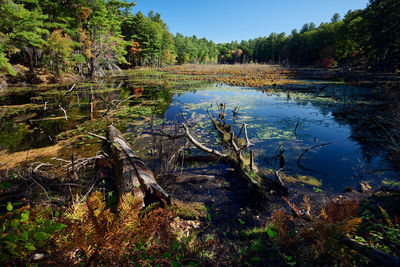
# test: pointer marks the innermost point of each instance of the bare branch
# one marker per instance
(308, 149)
(98, 136)
(187, 122)
(123, 101)
(202, 147)
(63, 110)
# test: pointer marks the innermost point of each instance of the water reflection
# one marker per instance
(321, 118)
(351, 119)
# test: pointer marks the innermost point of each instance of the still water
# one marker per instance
(339, 117)
(295, 121)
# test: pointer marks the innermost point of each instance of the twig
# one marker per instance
(187, 122)
(240, 132)
(38, 184)
(63, 110)
(202, 147)
(62, 98)
(88, 192)
(98, 136)
(308, 149)
(295, 128)
(123, 101)
(278, 177)
(41, 165)
(276, 151)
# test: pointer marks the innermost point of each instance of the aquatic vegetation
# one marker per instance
(270, 133)
(304, 179)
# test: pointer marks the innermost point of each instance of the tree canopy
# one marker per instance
(91, 36)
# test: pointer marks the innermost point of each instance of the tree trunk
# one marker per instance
(132, 175)
(29, 52)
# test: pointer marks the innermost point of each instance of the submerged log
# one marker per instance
(132, 174)
(235, 159)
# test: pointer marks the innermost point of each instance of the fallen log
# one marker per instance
(234, 156)
(131, 173)
(377, 256)
(236, 160)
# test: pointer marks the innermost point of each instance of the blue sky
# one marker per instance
(229, 20)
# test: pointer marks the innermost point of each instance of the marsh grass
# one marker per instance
(251, 75)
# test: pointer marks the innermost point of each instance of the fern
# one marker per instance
(386, 216)
(149, 208)
(100, 234)
(323, 214)
(349, 226)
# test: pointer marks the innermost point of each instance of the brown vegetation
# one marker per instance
(251, 75)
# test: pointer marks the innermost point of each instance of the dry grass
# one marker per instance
(252, 75)
(12, 160)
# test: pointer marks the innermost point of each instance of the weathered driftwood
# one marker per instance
(132, 174)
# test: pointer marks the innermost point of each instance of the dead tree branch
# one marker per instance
(308, 149)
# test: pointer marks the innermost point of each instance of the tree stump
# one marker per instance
(131, 173)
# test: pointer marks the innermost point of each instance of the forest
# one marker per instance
(124, 144)
(89, 37)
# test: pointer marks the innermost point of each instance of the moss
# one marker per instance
(253, 176)
(189, 210)
(305, 179)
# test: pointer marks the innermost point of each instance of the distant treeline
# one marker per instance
(368, 38)
(91, 36)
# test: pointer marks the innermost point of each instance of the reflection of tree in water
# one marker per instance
(38, 123)
(371, 120)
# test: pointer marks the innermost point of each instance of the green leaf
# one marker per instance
(40, 236)
(25, 235)
(30, 246)
(9, 206)
(271, 233)
(317, 190)
(5, 185)
(47, 223)
(59, 226)
(25, 215)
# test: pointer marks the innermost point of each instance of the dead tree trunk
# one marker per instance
(234, 156)
(380, 257)
(131, 173)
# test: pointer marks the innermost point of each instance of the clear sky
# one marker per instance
(229, 20)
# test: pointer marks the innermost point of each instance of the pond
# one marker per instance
(327, 130)
(295, 121)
